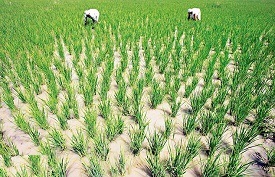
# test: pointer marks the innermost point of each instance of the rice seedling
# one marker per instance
(35, 166)
(20, 121)
(21, 95)
(235, 167)
(120, 166)
(271, 157)
(22, 173)
(174, 104)
(207, 122)
(8, 150)
(156, 143)
(60, 168)
(156, 95)
(212, 167)
(168, 128)
(7, 96)
(57, 139)
(47, 150)
(190, 88)
(101, 146)
(35, 136)
(90, 120)
(39, 116)
(79, 143)
(94, 168)
(149, 75)
(155, 167)
(215, 139)
(137, 136)
(178, 161)
(105, 108)
(189, 124)
(3, 172)
(114, 127)
(242, 137)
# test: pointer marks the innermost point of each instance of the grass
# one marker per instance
(156, 143)
(79, 143)
(120, 166)
(137, 136)
(157, 94)
(90, 120)
(178, 160)
(57, 139)
(156, 168)
(212, 167)
(114, 127)
(189, 124)
(94, 169)
(35, 165)
(102, 146)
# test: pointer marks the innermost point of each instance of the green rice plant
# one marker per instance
(114, 127)
(90, 120)
(242, 137)
(57, 139)
(178, 161)
(6, 154)
(235, 167)
(133, 76)
(35, 135)
(20, 95)
(137, 136)
(105, 108)
(20, 121)
(94, 168)
(156, 95)
(220, 98)
(207, 121)
(79, 143)
(121, 93)
(197, 104)
(3, 172)
(149, 75)
(271, 157)
(52, 102)
(212, 167)
(7, 96)
(215, 139)
(60, 168)
(137, 93)
(22, 173)
(62, 121)
(101, 146)
(168, 128)
(120, 166)
(46, 149)
(168, 84)
(155, 167)
(8, 150)
(35, 165)
(190, 88)
(156, 143)
(39, 116)
(189, 124)
(174, 104)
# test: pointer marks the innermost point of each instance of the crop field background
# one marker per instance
(144, 92)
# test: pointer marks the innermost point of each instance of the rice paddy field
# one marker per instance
(144, 92)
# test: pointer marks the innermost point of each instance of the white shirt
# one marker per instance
(93, 13)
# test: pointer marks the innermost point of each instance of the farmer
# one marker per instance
(194, 14)
(92, 14)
